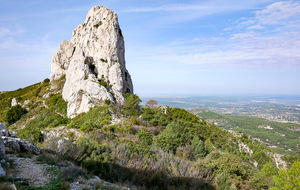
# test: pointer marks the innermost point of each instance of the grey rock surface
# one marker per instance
(93, 63)
(2, 172)
(13, 144)
(14, 102)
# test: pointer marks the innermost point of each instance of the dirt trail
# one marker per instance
(34, 173)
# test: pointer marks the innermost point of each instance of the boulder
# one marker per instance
(10, 143)
(93, 63)
(2, 147)
(14, 102)
(15, 145)
(2, 172)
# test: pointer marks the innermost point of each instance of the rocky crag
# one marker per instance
(93, 63)
(11, 144)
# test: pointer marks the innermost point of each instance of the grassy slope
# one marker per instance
(149, 148)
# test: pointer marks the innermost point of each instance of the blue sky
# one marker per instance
(172, 47)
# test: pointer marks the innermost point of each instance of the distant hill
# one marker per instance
(274, 134)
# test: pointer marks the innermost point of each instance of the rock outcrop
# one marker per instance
(14, 102)
(12, 144)
(93, 63)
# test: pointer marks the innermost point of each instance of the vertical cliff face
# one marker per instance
(93, 63)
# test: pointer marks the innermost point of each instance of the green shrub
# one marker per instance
(98, 157)
(46, 81)
(169, 139)
(72, 172)
(96, 117)
(33, 135)
(208, 146)
(98, 24)
(14, 114)
(261, 157)
(259, 180)
(107, 101)
(138, 150)
(269, 169)
(103, 83)
(133, 120)
(50, 159)
(57, 103)
(221, 162)
(103, 60)
(111, 128)
(131, 106)
(92, 67)
(223, 180)
(287, 179)
(145, 137)
(46, 118)
(105, 122)
(199, 149)
(64, 185)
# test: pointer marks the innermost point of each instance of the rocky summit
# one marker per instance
(93, 63)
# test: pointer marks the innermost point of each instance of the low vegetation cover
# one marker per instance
(153, 147)
(14, 114)
(280, 135)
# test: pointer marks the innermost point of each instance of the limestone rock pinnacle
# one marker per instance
(93, 63)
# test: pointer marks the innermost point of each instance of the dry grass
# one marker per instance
(6, 186)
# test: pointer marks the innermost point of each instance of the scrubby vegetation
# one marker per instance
(152, 147)
(14, 114)
(273, 133)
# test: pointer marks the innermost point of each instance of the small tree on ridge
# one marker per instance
(151, 104)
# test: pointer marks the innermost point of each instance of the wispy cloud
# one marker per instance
(168, 8)
(183, 12)
(6, 32)
(43, 14)
(270, 39)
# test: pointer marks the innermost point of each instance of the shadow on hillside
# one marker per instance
(150, 179)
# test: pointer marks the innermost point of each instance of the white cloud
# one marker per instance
(278, 12)
(4, 32)
(168, 8)
(182, 12)
(270, 39)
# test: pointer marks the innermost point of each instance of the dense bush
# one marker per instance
(131, 106)
(198, 146)
(71, 173)
(145, 137)
(261, 157)
(91, 153)
(95, 118)
(32, 130)
(171, 138)
(56, 102)
(14, 114)
(287, 179)
(221, 162)
(46, 81)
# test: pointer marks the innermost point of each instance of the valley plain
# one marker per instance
(272, 119)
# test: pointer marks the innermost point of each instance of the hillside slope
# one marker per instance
(160, 148)
(282, 136)
(87, 113)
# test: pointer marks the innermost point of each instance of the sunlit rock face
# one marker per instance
(93, 63)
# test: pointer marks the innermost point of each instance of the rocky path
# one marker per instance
(27, 169)
(35, 174)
